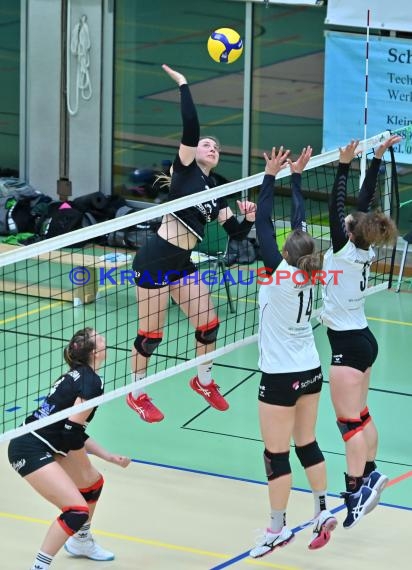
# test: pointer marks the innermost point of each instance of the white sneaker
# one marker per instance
(324, 524)
(270, 541)
(87, 549)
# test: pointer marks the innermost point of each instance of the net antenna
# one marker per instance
(365, 118)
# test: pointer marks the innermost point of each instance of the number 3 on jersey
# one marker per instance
(302, 303)
(364, 277)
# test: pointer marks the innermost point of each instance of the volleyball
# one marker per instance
(225, 45)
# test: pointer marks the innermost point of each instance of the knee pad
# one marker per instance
(349, 427)
(207, 334)
(276, 464)
(92, 494)
(365, 416)
(309, 454)
(146, 342)
(73, 518)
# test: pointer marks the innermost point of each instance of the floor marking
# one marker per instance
(245, 555)
(147, 542)
(399, 479)
(32, 312)
(227, 560)
(389, 321)
(305, 525)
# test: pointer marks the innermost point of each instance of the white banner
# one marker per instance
(385, 15)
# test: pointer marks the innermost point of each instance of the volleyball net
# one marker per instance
(51, 289)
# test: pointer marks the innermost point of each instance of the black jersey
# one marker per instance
(82, 382)
(188, 180)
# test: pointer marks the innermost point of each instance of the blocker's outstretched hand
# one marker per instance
(380, 150)
(299, 165)
(348, 152)
(277, 161)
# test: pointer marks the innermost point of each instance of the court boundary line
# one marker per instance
(391, 483)
(299, 528)
(229, 561)
(254, 439)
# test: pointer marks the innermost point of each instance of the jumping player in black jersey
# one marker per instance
(292, 378)
(161, 265)
(54, 460)
(354, 348)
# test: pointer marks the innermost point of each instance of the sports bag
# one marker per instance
(241, 251)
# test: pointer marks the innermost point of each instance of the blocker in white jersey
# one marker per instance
(354, 348)
(286, 342)
(291, 379)
(345, 290)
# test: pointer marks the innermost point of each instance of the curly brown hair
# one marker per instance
(371, 228)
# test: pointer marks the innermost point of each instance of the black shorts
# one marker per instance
(285, 389)
(27, 453)
(158, 264)
(357, 348)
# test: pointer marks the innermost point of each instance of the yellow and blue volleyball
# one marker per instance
(225, 45)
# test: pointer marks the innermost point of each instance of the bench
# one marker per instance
(80, 294)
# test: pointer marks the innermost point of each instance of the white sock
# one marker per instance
(204, 373)
(84, 532)
(136, 376)
(277, 520)
(42, 562)
(319, 498)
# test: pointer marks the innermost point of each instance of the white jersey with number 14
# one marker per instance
(286, 342)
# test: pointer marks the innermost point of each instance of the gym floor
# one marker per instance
(195, 492)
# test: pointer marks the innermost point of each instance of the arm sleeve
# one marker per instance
(191, 128)
(337, 208)
(368, 188)
(236, 230)
(297, 216)
(265, 228)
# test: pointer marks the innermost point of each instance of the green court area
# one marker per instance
(194, 436)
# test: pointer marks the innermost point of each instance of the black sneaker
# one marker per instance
(357, 505)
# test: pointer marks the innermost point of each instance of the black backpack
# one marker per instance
(62, 218)
(241, 251)
(133, 237)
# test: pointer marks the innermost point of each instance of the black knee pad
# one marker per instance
(276, 464)
(73, 518)
(207, 334)
(92, 494)
(146, 342)
(309, 454)
(349, 427)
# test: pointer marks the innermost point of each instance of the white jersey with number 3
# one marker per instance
(344, 292)
(286, 342)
